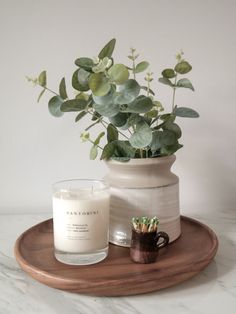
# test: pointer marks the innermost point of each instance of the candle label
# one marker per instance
(81, 225)
(74, 231)
(76, 213)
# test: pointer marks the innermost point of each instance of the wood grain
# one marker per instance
(117, 275)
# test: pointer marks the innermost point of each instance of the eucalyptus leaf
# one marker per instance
(148, 90)
(42, 79)
(107, 110)
(108, 49)
(127, 92)
(80, 80)
(62, 89)
(185, 112)
(134, 119)
(156, 140)
(147, 120)
(185, 83)
(99, 84)
(107, 99)
(112, 133)
(142, 136)
(168, 117)
(168, 73)
(118, 74)
(152, 114)
(168, 138)
(92, 125)
(173, 127)
(84, 63)
(83, 96)
(41, 94)
(165, 81)
(125, 126)
(54, 106)
(161, 139)
(140, 67)
(96, 116)
(121, 159)
(93, 152)
(120, 119)
(97, 141)
(183, 67)
(123, 149)
(73, 105)
(170, 149)
(141, 104)
(80, 116)
(108, 151)
(103, 64)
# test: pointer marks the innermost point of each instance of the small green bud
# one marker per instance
(179, 56)
(158, 105)
(33, 80)
(103, 64)
(84, 136)
(149, 77)
(96, 60)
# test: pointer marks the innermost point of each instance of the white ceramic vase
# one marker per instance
(143, 187)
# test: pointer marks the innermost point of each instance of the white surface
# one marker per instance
(37, 149)
(212, 291)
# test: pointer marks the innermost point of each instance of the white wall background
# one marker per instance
(37, 149)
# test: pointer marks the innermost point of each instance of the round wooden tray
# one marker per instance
(117, 275)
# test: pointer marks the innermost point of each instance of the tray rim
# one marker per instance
(38, 273)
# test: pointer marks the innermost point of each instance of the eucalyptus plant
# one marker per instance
(109, 94)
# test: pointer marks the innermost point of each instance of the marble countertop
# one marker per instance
(212, 291)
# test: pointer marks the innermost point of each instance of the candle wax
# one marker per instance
(81, 220)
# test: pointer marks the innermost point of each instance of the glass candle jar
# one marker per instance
(81, 221)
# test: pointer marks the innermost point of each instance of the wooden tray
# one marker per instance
(117, 275)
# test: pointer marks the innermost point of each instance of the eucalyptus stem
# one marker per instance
(45, 88)
(95, 144)
(134, 69)
(129, 131)
(105, 122)
(119, 132)
(51, 91)
(133, 59)
(148, 88)
(174, 89)
(154, 120)
(141, 152)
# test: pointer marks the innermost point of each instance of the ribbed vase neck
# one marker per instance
(145, 172)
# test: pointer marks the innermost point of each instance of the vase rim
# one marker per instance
(143, 161)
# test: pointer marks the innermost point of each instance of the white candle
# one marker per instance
(81, 220)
